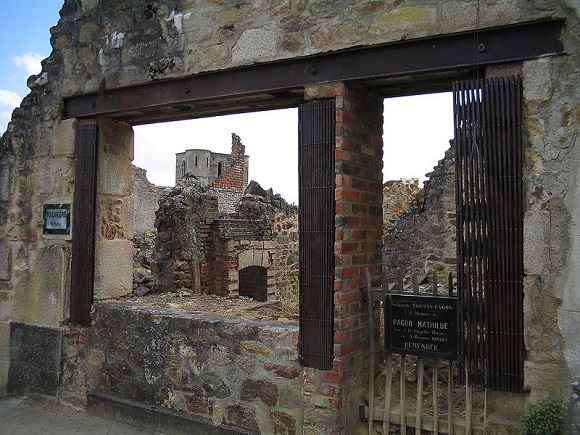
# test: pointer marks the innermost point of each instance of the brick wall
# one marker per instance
(235, 176)
(231, 240)
(332, 397)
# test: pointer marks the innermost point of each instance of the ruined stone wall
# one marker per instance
(230, 185)
(108, 44)
(178, 247)
(398, 197)
(146, 198)
(285, 234)
(200, 248)
(137, 42)
(226, 372)
(421, 238)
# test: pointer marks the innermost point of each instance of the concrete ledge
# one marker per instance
(155, 418)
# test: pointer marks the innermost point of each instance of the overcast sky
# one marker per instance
(417, 129)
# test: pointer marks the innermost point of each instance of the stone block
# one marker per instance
(536, 242)
(5, 260)
(253, 257)
(115, 155)
(570, 327)
(265, 390)
(4, 341)
(113, 268)
(281, 370)
(115, 175)
(506, 404)
(255, 45)
(240, 416)
(256, 347)
(544, 380)
(537, 79)
(5, 181)
(35, 359)
(64, 138)
(406, 21)
(40, 296)
(4, 368)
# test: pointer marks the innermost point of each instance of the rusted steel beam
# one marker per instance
(439, 53)
(84, 218)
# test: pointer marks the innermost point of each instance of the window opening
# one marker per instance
(237, 236)
(418, 185)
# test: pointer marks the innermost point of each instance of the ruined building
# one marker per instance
(66, 193)
(206, 165)
(220, 238)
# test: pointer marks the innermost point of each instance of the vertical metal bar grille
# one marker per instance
(487, 116)
(84, 215)
(316, 232)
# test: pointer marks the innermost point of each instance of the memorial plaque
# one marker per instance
(56, 219)
(421, 325)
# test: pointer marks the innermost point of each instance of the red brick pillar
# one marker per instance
(332, 397)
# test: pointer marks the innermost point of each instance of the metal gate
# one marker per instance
(416, 392)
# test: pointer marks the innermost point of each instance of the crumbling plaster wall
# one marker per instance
(106, 44)
(551, 117)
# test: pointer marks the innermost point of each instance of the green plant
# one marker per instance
(543, 418)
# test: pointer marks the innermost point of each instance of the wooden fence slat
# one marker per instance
(403, 393)
(435, 389)
(468, 404)
(419, 410)
(388, 389)
(83, 225)
(372, 352)
(450, 398)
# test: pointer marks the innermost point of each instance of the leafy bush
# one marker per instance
(544, 418)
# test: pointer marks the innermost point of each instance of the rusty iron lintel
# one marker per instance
(439, 53)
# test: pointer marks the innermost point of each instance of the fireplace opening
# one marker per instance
(254, 283)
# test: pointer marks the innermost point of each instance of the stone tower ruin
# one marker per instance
(208, 166)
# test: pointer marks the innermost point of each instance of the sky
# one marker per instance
(24, 42)
(417, 129)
